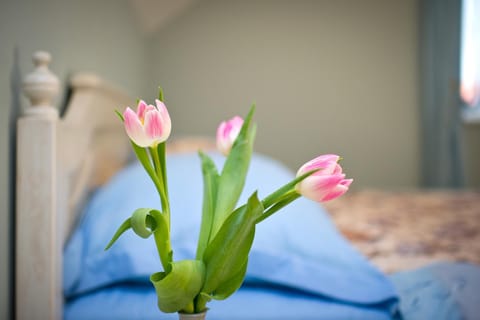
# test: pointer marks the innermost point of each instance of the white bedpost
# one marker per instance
(38, 239)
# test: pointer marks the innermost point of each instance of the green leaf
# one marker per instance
(144, 159)
(234, 172)
(177, 289)
(120, 115)
(228, 287)
(142, 222)
(161, 96)
(210, 182)
(123, 227)
(228, 252)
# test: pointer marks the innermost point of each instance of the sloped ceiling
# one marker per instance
(153, 14)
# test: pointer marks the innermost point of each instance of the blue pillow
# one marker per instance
(297, 248)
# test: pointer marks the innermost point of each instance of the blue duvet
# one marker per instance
(444, 291)
(300, 267)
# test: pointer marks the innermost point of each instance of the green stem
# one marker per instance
(162, 242)
(144, 159)
(200, 303)
(284, 201)
(287, 188)
(164, 249)
(189, 308)
(161, 184)
(163, 167)
(165, 258)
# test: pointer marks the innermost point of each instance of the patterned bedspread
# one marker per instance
(405, 230)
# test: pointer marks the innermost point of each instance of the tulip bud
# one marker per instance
(327, 183)
(149, 126)
(227, 132)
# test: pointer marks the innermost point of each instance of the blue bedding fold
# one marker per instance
(442, 291)
(256, 303)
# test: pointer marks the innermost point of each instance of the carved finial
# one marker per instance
(41, 59)
(41, 86)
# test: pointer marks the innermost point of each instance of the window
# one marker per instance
(470, 60)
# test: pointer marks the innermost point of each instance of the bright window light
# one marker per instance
(470, 53)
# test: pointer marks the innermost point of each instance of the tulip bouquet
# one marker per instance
(227, 230)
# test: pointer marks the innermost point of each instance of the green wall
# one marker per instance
(327, 77)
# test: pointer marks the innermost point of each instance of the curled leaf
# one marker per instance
(143, 224)
(179, 287)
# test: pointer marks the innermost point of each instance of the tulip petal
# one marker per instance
(337, 169)
(339, 190)
(141, 107)
(227, 133)
(134, 128)
(221, 131)
(235, 124)
(161, 107)
(317, 187)
(335, 192)
(346, 182)
(321, 162)
(166, 121)
(153, 125)
(223, 144)
(325, 184)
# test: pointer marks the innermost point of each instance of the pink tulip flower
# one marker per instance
(149, 126)
(227, 132)
(327, 183)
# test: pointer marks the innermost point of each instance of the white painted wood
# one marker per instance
(92, 141)
(38, 244)
(59, 161)
(41, 86)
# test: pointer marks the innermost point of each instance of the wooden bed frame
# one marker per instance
(59, 159)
